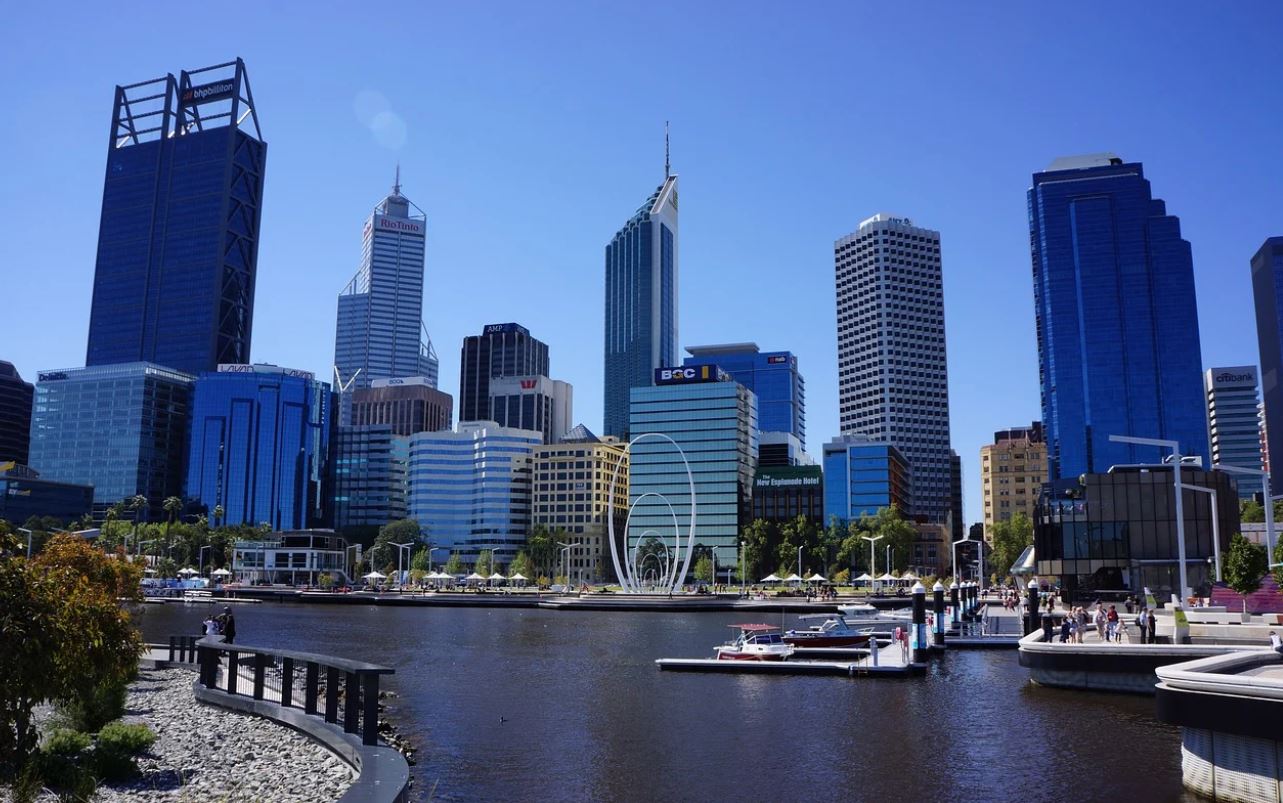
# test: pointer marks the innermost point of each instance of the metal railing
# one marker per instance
(303, 681)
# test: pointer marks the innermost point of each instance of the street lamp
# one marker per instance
(201, 557)
(1269, 506)
(30, 536)
(1216, 525)
(955, 556)
(799, 561)
(742, 589)
(872, 567)
(401, 549)
(565, 559)
(432, 549)
(1176, 484)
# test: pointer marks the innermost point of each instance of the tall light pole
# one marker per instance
(742, 557)
(401, 549)
(565, 559)
(799, 561)
(1269, 506)
(1216, 525)
(955, 556)
(1176, 484)
(872, 560)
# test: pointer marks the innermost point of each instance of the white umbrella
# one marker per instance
(497, 576)
(864, 578)
(189, 570)
(887, 578)
(908, 576)
(817, 578)
(519, 576)
(770, 578)
(221, 573)
(475, 576)
(375, 576)
(793, 578)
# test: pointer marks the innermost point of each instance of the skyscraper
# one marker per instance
(1118, 344)
(773, 376)
(380, 332)
(178, 238)
(641, 302)
(502, 349)
(1012, 471)
(16, 397)
(892, 371)
(533, 402)
(1267, 284)
(1233, 423)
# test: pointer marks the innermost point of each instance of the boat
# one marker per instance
(833, 632)
(865, 614)
(755, 643)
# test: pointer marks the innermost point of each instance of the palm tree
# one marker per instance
(172, 507)
(219, 512)
(136, 503)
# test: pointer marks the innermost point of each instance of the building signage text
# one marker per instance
(207, 93)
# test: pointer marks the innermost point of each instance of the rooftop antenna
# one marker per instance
(667, 170)
(396, 185)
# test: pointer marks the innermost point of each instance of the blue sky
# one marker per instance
(530, 132)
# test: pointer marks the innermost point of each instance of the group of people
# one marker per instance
(1109, 624)
(223, 625)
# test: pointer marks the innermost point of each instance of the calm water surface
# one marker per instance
(587, 716)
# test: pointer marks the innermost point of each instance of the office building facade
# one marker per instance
(892, 368)
(862, 476)
(1118, 343)
(409, 405)
(1012, 471)
(713, 420)
(24, 493)
(1117, 531)
(572, 480)
(780, 449)
(1267, 287)
(641, 303)
(532, 402)
(178, 237)
(471, 489)
(369, 470)
(380, 332)
(123, 429)
(299, 557)
(782, 494)
(260, 446)
(772, 376)
(501, 350)
(16, 398)
(1233, 421)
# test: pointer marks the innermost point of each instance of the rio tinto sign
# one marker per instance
(399, 224)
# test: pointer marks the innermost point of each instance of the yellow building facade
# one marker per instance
(1012, 471)
(572, 500)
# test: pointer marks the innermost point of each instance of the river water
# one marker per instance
(568, 705)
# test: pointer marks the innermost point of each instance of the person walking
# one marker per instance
(211, 625)
(1143, 625)
(1276, 643)
(227, 625)
(1152, 626)
(1102, 623)
(1112, 623)
(1065, 627)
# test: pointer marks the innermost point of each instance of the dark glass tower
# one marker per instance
(15, 415)
(1118, 344)
(502, 349)
(1267, 292)
(773, 376)
(178, 238)
(641, 302)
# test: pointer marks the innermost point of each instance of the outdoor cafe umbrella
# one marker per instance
(518, 578)
(864, 578)
(886, 578)
(188, 571)
(474, 577)
(771, 578)
(221, 573)
(793, 578)
(496, 576)
(817, 578)
(375, 576)
(907, 576)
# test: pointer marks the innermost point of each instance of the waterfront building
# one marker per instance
(369, 470)
(782, 494)
(931, 551)
(501, 350)
(178, 237)
(1267, 285)
(772, 376)
(1012, 471)
(380, 332)
(958, 524)
(572, 498)
(778, 449)
(641, 303)
(1233, 421)
(1118, 343)
(260, 441)
(471, 489)
(121, 428)
(292, 557)
(23, 494)
(1117, 531)
(862, 476)
(892, 369)
(408, 404)
(713, 419)
(532, 402)
(16, 397)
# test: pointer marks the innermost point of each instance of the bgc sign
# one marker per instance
(689, 375)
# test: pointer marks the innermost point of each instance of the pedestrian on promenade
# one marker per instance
(1112, 623)
(1143, 624)
(211, 625)
(1152, 627)
(227, 625)
(1074, 635)
(1064, 630)
(1102, 622)
(1047, 624)
(1276, 643)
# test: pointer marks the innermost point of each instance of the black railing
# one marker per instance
(280, 675)
(182, 649)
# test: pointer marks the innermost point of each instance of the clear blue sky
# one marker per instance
(532, 131)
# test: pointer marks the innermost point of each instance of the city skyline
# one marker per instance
(491, 225)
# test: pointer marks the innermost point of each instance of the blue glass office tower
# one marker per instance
(862, 476)
(380, 332)
(772, 376)
(260, 446)
(1118, 344)
(641, 302)
(16, 398)
(178, 237)
(1267, 292)
(121, 428)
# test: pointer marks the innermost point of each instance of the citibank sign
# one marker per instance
(1233, 377)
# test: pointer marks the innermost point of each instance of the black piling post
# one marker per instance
(921, 643)
(938, 592)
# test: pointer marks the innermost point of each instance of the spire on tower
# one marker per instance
(667, 170)
(396, 185)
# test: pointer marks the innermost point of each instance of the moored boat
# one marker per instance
(833, 632)
(755, 642)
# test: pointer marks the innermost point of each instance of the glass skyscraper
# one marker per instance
(1233, 421)
(862, 476)
(178, 238)
(1267, 292)
(501, 350)
(714, 420)
(121, 428)
(772, 376)
(260, 446)
(641, 303)
(1118, 343)
(380, 332)
(16, 398)
(369, 475)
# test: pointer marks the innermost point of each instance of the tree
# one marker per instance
(758, 537)
(704, 569)
(1245, 565)
(173, 506)
(1250, 510)
(484, 565)
(1009, 539)
(454, 565)
(522, 565)
(421, 560)
(218, 512)
(402, 531)
(137, 503)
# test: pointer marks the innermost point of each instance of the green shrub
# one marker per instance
(61, 764)
(66, 743)
(92, 710)
(117, 745)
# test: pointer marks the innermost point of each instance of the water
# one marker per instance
(568, 705)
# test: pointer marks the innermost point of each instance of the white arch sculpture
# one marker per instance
(630, 582)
